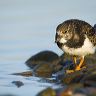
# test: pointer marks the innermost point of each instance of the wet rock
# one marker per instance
(71, 90)
(26, 74)
(79, 83)
(43, 70)
(46, 69)
(72, 77)
(67, 62)
(66, 92)
(89, 79)
(44, 64)
(43, 57)
(86, 76)
(47, 92)
(18, 83)
(86, 91)
(90, 60)
(65, 57)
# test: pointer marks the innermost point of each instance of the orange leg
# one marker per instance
(75, 59)
(75, 62)
(78, 67)
(80, 64)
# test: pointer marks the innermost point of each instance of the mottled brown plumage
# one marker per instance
(77, 38)
(78, 27)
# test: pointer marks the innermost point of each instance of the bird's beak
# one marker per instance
(56, 41)
(56, 38)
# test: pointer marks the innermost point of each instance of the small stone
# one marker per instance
(18, 83)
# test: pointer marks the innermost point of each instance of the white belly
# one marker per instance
(87, 48)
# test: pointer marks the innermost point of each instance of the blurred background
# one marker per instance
(28, 27)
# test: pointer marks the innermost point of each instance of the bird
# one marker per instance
(76, 38)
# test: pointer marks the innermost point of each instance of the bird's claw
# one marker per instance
(76, 69)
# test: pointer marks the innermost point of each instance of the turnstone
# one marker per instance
(77, 38)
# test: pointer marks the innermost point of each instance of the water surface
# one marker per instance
(28, 27)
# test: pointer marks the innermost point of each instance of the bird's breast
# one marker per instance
(86, 48)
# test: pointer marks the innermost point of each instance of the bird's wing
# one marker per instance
(89, 31)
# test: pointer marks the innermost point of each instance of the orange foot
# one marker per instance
(76, 69)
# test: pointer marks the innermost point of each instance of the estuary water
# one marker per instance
(28, 27)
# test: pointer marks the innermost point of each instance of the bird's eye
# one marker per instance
(65, 31)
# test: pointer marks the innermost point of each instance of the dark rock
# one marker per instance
(46, 69)
(18, 83)
(89, 79)
(43, 70)
(66, 92)
(66, 61)
(43, 57)
(44, 64)
(26, 74)
(72, 77)
(90, 60)
(86, 76)
(47, 92)
(78, 83)
(71, 90)
(65, 57)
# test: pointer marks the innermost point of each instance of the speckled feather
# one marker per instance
(77, 38)
(80, 27)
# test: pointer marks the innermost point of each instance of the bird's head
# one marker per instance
(63, 33)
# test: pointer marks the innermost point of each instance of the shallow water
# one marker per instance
(28, 27)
